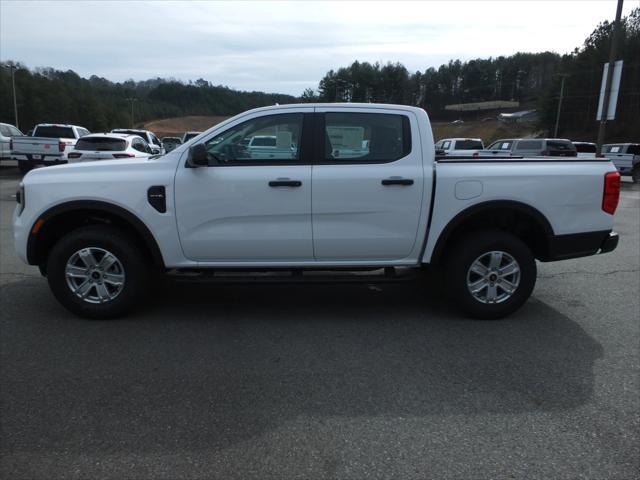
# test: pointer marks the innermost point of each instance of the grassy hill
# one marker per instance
(487, 131)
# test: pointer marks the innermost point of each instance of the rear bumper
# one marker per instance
(45, 159)
(563, 247)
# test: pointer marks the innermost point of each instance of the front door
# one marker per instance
(250, 204)
(368, 185)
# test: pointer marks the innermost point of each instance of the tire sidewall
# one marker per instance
(114, 241)
(467, 251)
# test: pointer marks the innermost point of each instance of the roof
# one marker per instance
(129, 130)
(461, 138)
(123, 136)
(57, 125)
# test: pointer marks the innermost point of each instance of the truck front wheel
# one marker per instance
(97, 272)
(490, 274)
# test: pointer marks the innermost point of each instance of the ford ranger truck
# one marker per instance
(49, 145)
(370, 197)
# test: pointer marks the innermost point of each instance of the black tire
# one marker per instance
(24, 167)
(132, 261)
(474, 246)
(635, 175)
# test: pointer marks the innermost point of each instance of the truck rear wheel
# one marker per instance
(97, 272)
(490, 274)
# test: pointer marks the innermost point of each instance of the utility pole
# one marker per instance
(564, 76)
(607, 84)
(131, 99)
(13, 84)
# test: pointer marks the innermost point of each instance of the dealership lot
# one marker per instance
(346, 381)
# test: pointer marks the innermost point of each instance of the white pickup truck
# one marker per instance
(49, 145)
(625, 157)
(100, 230)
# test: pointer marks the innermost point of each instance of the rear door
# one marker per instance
(367, 185)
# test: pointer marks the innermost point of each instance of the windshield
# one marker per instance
(101, 144)
(54, 132)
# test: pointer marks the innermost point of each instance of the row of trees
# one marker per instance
(533, 79)
(50, 95)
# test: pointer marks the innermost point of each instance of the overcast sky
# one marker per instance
(282, 46)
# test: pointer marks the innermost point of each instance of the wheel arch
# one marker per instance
(50, 226)
(523, 220)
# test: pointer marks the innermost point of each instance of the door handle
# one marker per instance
(397, 181)
(285, 183)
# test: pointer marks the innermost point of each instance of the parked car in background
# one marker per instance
(535, 147)
(49, 145)
(271, 146)
(171, 143)
(459, 147)
(100, 233)
(7, 132)
(626, 158)
(109, 146)
(585, 149)
(189, 135)
(147, 136)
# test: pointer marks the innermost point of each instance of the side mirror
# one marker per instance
(198, 156)
(440, 152)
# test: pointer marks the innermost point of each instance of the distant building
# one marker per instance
(517, 117)
(477, 106)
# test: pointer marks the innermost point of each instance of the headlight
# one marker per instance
(20, 198)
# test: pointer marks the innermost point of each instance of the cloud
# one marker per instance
(281, 46)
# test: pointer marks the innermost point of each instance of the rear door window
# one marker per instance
(468, 145)
(529, 145)
(366, 137)
(558, 145)
(97, 144)
(585, 148)
(54, 132)
(634, 149)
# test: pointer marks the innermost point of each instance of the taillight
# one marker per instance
(74, 155)
(61, 145)
(545, 153)
(611, 194)
(476, 154)
(600, 155)
(20, 198)
(123, 155)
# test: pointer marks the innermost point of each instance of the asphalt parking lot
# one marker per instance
(326, 381)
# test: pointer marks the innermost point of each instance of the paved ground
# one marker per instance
(326, 382)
